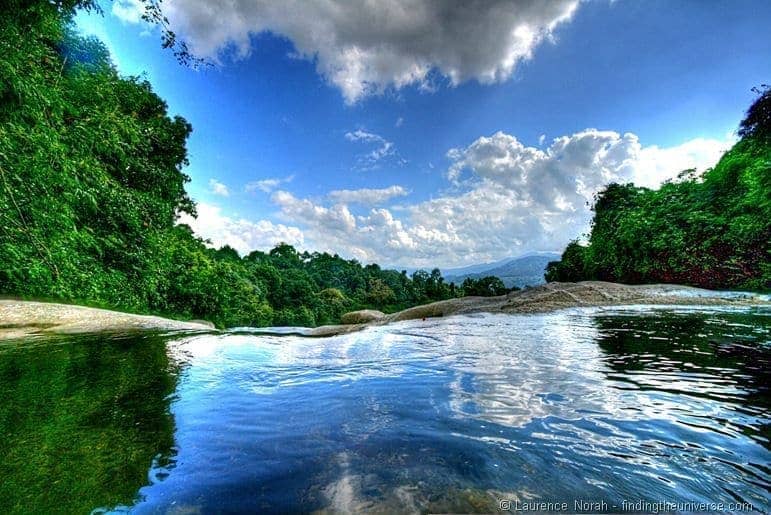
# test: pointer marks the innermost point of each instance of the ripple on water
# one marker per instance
(607, 404)
(450, 415)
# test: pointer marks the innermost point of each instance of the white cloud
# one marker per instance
(130, 11)
(658, 164)
(383, 148)
(362, 135)
(399, 122)
(509, 199)
(367, 196)
(217, 188)
(243, 235)
(364, 48)
(267, 185)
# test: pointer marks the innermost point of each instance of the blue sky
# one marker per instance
(421, 134)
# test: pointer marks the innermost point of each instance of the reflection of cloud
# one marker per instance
(130, 11)
(442, 399)
(530, 374)
(551, 366)
(270, 363)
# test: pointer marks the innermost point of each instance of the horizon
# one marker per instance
(405, 145)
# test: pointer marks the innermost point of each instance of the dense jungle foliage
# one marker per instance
(711, 230)
(92, 183)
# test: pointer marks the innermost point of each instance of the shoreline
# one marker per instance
(20, 319)
(555, 296)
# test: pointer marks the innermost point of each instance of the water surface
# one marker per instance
(443, 415)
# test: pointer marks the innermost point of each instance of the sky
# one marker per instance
(423, 133)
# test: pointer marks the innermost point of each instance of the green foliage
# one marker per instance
(82, 421)
(757, 122)
(570, 268)
(91, 185)
(712, 231)
(489, 286)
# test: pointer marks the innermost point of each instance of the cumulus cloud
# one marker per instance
(365, 48)
(337, 230)
(508, 198)
(243, 235)
(367, 196)
(658, 164)
(217, 188)
(267, 185)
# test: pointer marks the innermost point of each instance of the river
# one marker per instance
(480, 413)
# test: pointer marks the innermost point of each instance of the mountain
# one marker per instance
(523, 271)
(474, 269)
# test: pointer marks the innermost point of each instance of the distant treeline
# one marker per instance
(711, 230)
(91, 186)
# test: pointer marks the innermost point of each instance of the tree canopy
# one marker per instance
(712, 230)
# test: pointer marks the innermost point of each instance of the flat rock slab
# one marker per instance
(25, 318)
(362, 316)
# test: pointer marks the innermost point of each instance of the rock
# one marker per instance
(362, 317)
(549, 297)
(204, 322)
(334, 330)
(19, 319)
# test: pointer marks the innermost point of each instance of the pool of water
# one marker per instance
(465, 414)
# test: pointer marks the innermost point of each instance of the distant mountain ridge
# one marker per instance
(523, 271)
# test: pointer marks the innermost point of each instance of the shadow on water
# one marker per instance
(82, 419)
(716, 357)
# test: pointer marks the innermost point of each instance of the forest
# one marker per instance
(711, 230)
(92, 184)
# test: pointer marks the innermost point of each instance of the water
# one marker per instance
(460, 414)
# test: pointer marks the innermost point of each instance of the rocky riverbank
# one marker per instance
(551, 297)
(24, 318)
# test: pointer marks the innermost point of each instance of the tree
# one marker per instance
(571, 267)
(757, 122)
(489, 286)
(379, 293)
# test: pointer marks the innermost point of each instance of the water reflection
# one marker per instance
(443, 415)
(82, 419)
(692, 354)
